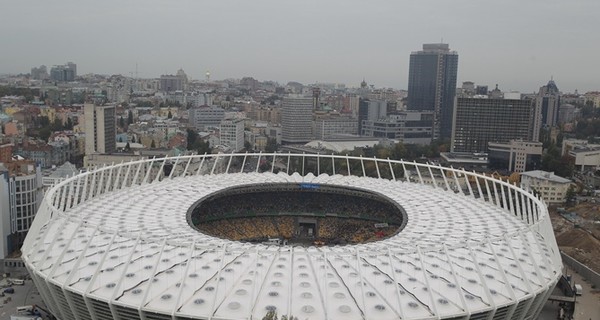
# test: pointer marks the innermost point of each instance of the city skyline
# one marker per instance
(517, 45)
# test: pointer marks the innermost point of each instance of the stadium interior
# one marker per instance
(309, 214)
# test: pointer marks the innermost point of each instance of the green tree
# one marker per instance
(129, 117)
(552, 161)
(169, 115)
(272, 145)
(571, 193)
(152, 144)
(192, 136)
(69, 125)
(121, 122)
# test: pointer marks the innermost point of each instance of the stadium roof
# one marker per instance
(133, 248)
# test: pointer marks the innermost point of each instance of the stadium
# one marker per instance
(236, 236)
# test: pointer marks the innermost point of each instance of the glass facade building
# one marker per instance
(432, 85)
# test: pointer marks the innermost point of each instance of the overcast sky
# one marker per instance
(518, 44)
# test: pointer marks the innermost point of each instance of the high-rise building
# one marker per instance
(170, 83)
(547, 104)
(39, 73)
(296, 119)
(432, 85)
(478, 121)
(66, 72)
(20, 197)
(100, 129)
(232, 134)
(370, 110)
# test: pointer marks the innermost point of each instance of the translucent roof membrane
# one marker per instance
(134, 248)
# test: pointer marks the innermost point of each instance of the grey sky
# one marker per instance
(516, 43)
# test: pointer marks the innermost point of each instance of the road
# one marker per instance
(26, 294)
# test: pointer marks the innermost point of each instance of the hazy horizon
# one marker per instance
(518, 45)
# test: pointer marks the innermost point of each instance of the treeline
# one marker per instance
(28, 93)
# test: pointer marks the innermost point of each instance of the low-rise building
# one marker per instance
(516, 155)
(550, 187)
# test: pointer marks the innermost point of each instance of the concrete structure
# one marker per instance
(20, 197)
(371, 111)
(171, 83)
(66, 72)
(478, 121)
(296, 119)
(547, 104)
(100, 129)
(205, 117)
(586, 156)
(516, 155)
(551, 188)
(124, 248)
(330, 126)
(39, 73)
(432, 85)
(410, 127)
(232, 134)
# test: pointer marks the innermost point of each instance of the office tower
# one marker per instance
(100, 129)
(296, 119)
(170, 83)
(478, 121)
(547, 104)
(432, 85)
(66, 72)
(39, 73)
(20, 196)
(370, 110)
(203, 118)
(232, 134)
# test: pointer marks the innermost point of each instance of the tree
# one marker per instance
(129, 117)
(192, 136)
(120, 139)
(272, 145)
(169, 115)
(552, 161)
(121, 122)
(153, 144)
(127, 147)
(571, 193)
(69, 125)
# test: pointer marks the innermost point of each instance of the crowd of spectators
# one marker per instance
(300, 202)
(258, 216)
(329, 230)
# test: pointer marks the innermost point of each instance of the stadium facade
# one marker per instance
(116, 243)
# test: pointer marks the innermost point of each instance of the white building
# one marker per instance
(586, 155)
(232, 134)
(329, 126)
(296, 119)
(20, 198)
(552, 188)
(203, 117)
